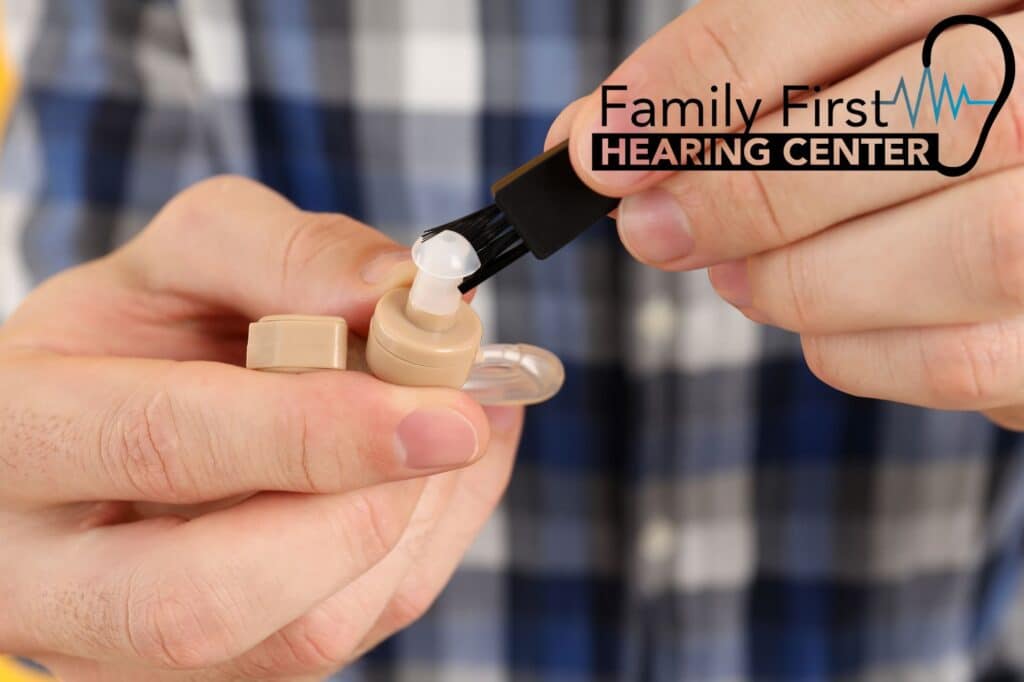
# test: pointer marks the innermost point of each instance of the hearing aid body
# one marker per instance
(424, 335)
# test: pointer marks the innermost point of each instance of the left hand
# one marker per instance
(166, 515)
(906, 286)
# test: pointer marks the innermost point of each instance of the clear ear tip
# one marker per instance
(443, 261)
(514, 374)
(447, 255)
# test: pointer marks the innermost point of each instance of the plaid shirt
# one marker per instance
(694, 505)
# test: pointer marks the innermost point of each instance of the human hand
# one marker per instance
(906, 286)
(165, 515)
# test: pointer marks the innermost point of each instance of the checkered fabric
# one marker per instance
(694, 505)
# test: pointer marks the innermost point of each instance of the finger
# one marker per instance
(324, 638)
(1009, 417)
(953, 257)
(754, 47)
(559, 130)
(234, 242)
(698, 218)
(480, 490)
(965, 367)
(80, 429)
(402, 586)
(222, 253)
(561, 127)
(189, 595)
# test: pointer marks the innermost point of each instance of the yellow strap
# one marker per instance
(12, 671)
(8, 78)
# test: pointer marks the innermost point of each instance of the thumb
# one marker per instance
(234, 244)
(559, 130)
(587, 116)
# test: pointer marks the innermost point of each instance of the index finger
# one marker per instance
(233, 242)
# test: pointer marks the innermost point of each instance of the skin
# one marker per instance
(903, 286)
(166, 514)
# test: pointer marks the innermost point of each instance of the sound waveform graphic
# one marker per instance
(938, 97)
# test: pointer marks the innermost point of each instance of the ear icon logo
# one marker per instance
(1009, 74)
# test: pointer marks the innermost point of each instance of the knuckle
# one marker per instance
(367, 528)
(187, 210)
(177, 624)
(310, 442)
(144, 443)
(1008, 129)
(306, 462)
(303, 241)
(713, 45)
(952, 375)
(223, 183)
(323, 639)
(750, 204)
(331, 450)
(313, 238)
(803, 290)
(319, 641)
(218, 190)
(407, 606)
(818, 361)
(1006, 137)
(971, 368)
(1014, 123)
(980, 61)
(1006, 239)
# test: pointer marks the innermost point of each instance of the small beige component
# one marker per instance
(297, 343)
(400, 351)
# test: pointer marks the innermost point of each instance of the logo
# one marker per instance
(806, 150)
(938, 97)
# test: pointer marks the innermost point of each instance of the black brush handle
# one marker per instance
(547, 203)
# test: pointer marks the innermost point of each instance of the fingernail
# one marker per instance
(633, 74)
(732, 282)
(617, 181)
(655, 227)
(435, 438)
(384, 265)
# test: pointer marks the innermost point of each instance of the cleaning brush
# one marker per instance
(538, 208)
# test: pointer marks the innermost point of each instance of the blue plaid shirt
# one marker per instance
(694, 505)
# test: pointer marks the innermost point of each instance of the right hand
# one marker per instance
(168, 515)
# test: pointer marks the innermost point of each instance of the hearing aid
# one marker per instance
(423, 335)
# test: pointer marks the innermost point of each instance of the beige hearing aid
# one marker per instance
(297, 343)
(426, 335)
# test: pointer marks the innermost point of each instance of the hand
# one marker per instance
(906, 286)
(163, 510)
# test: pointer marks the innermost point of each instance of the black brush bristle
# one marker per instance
(538, 208)
(495, 240)
(490, 268)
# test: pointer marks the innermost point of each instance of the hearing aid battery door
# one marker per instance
(297, 343)
(514, 374)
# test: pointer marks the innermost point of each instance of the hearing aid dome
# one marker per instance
(442, 261)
